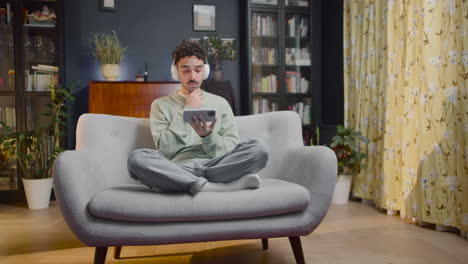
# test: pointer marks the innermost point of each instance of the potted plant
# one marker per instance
(345, 144)
(218, 50)
(107, 50)
(34, 150)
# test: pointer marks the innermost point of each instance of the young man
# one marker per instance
(195, 156)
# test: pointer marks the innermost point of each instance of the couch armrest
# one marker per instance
(315, 168)
(76, 180)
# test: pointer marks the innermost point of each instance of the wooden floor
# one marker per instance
(353, 233)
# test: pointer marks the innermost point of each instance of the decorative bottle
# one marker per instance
(146, 72)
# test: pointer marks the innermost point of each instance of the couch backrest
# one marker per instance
(116, 133)
(279, 130)
(117, 136)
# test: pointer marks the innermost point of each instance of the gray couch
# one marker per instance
(104, 207)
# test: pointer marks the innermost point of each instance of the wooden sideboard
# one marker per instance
(127, 98)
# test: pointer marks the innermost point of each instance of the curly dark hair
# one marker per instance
(188, 49)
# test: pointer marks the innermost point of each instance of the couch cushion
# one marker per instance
(138, 203)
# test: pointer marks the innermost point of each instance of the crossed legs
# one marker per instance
(231, 171)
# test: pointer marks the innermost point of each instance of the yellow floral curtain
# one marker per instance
(406, 82)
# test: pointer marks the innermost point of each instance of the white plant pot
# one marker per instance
(110, 71)
(38, 192)
(342, 189)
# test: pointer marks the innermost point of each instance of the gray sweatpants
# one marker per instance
(151, 168)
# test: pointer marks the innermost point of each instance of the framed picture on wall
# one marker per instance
(204, 17)
(108, 5)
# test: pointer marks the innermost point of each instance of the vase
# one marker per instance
(38, 192)
(110, 71)
(342, 189)
(217, 74)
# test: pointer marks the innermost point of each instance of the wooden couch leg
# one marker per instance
(100, 255)
(297, 249)
(265, 243)
(117, 252)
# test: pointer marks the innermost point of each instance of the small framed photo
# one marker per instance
(204, 17)
(109, 5)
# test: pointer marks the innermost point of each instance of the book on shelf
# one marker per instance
(8, 115)
(295, 83)
(303, 110)
(303, 27)
(306, 115)
(297, 56)
(299, 28)
(42, 77)
(263, 25)
(45, 68)
(41, 82)
(263, 105)
(266, 84)
(291, 24)
(263, 56)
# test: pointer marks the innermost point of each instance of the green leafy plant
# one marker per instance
(345, 144)
(218, 49)
(106, 47)
(35, 149)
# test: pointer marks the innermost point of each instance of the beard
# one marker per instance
(192, 86)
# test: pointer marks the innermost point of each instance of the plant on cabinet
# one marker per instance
(106, 48)
(218, 49)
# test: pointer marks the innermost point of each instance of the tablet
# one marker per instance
(207, 114)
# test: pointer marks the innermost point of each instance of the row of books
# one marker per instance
(302, 3)
(40, 82)
(263, 25)
(298, 56)
(263, 105)
(297, 27)
(303, 110)
(266, 84)
(8, 115)
(264, 56)
(42, 77)
(295, 83)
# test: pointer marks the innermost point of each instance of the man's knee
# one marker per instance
(138, 158)
(260, 151)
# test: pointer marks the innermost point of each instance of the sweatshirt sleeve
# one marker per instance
(170, 136)
(226, 138)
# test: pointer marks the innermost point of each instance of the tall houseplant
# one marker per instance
(218, 50)
(35, 149)
(106, 48)
(350, 158)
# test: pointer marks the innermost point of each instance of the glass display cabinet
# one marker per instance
(31, 61)
(278, 45)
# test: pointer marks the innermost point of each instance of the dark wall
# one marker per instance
(332, 97)
(332, 62)
(150, 29)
